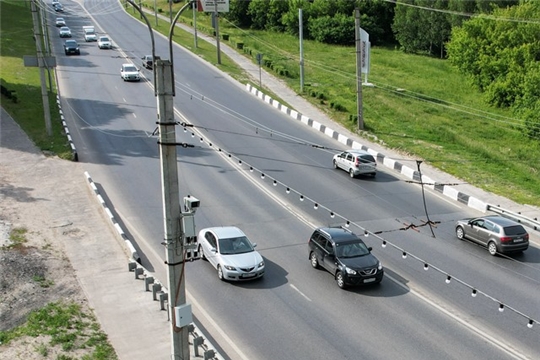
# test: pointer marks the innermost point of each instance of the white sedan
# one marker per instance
(65, 32)
(231, 253)
(129, 72)
(104, 42)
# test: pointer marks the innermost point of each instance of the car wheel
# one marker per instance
(351, 173)
(313, 260)
(201, 252)
(340, 280)
(492, 248)
(335, 164)
(220, 273)
(460, 233)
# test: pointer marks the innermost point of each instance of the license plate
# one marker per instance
(369, 280)
(248, 275)
(518, 240)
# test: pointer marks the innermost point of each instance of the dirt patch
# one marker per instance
(37, 214)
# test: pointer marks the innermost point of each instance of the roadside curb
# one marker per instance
(128, 246)
(66, 130)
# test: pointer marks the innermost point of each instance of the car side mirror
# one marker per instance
(254, 244)
(370, 248)
(213, 250)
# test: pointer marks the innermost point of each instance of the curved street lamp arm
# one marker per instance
(171, 31)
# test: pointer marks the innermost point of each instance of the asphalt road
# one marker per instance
(295, 311)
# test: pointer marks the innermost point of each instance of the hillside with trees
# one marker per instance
(495, 43)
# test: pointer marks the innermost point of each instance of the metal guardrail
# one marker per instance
(525, 220)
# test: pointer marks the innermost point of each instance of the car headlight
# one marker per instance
(229, 267)
(261, 264)
(379, 266)
(350, 271)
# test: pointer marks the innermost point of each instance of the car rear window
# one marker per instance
(366, 158)
(514, 230)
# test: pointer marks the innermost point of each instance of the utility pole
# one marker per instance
(174, 232)
(44, 94)
(301, 36)
(358, 42)
(217, 33)
(194, 5)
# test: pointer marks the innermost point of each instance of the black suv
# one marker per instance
(344, 255)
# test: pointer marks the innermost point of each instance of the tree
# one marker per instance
(338, 29)
(501, 57)
(238, 13)
(258, 10)
(424, 26)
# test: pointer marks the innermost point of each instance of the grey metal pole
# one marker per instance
(301, 35)
(155, 13)
(358, 42)
(46, 44)
(44, 94)
(195, 24)
(171, 206)
(217, 34)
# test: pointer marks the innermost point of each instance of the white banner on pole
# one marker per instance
(210, 6)
(366, 48)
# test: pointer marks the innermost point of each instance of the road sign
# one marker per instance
(210, 5)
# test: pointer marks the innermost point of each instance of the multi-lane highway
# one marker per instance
(295, 311)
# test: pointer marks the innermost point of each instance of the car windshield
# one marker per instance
(237, 245)
(103, 39)
(130, 69)
(350, 250)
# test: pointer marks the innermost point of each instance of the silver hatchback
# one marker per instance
(355, 162)
(499, 234)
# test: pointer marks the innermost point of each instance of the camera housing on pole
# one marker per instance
(191, 245)
(191, 204)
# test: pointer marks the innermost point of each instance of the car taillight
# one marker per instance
(506, 239)
(526, 237)
(357, 162)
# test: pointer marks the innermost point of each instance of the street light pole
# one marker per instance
(358, 40)
(174, 242)
(174, 233)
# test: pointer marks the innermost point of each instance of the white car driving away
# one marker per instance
(355, 162)
(129, 72)
(231, 253)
